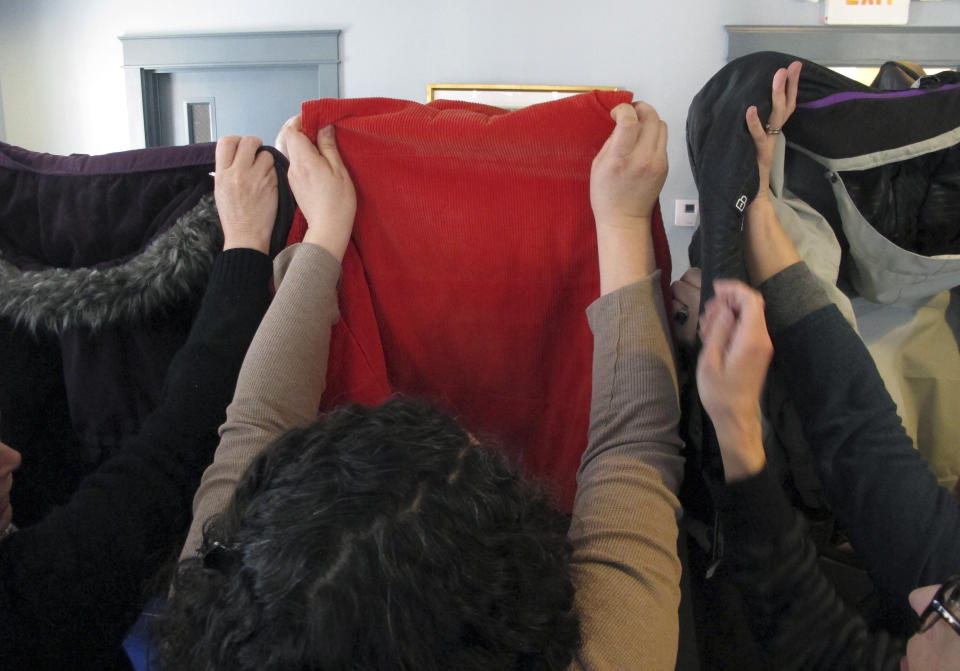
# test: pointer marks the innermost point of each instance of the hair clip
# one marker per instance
(219, 557)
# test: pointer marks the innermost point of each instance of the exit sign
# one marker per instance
(866, 12)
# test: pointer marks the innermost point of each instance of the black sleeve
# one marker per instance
(902, 523)
(72, 585)
(794, 612)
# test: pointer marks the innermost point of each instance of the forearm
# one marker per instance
(202, 375)
(741, 446)
(284, 374)
(625, 253)
(282, 377)
(624, 526)
(634, 392)
(904, 526)
(767, 248)
(795, 614)
(877, 482)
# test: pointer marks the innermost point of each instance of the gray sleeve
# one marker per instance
(790, 295)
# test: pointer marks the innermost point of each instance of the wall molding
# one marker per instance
(147, 56)
(850, 45)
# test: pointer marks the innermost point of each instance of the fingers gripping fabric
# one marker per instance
(472, 261)
(723, 157)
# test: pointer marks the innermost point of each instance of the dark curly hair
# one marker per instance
(377, 538)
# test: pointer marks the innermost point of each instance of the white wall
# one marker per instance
(3, 131)
(63, 89)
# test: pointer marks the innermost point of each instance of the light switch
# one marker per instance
(686, 213)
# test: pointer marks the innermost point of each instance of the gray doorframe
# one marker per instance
(145, 57)
(849, 45)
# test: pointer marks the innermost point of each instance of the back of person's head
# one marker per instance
(377, 538)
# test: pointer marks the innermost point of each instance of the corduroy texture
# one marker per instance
(472, 260)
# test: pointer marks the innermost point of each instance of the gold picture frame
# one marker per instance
(507, 96)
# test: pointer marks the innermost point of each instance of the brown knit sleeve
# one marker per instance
(624, 526)
(282, 377)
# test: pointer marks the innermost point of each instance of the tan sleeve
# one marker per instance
(282, 377)
(624, 526)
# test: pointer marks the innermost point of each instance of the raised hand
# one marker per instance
(768, 249)
(245, 190)
(731, 371)
(625, 181)
(629, 170)
(784, 97)
(322, 186)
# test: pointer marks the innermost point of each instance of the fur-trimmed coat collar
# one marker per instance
(173, 267)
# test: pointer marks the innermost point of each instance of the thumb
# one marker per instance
(297, 142)
(623, 113)
(625, 132)
(327, 144)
